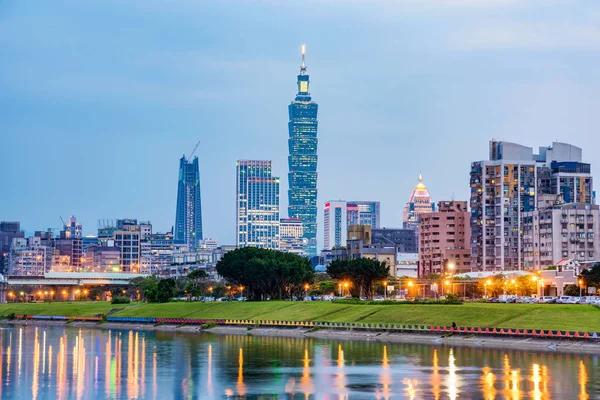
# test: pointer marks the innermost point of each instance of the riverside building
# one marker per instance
(445, 239)
(560, 231)
(507, 186)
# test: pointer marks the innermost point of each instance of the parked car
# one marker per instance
(378, 298)
(563, 299)
(574, 300)
(547, 299)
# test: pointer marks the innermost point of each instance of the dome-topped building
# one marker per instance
(420, 202)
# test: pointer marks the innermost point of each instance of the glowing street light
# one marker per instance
(580, 286)
(385, 289)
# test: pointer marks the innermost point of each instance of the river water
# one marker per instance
(65, 362)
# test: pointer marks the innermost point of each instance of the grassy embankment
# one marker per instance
(529, 316)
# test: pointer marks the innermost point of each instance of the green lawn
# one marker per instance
(530, 316)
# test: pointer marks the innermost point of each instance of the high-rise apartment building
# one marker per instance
(291, 236)
(558, 231)
(445, 239)
(29, 257)
(363, 213)
(257, 197)
(507, 185)
(335, 224)
(188, 218)
(302, 160)
(419, 203)
(9, 230)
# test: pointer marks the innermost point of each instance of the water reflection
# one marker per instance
(56, 362)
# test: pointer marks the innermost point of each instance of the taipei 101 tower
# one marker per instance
(302, 178)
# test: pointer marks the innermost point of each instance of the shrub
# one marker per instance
(208, 325)
(11, 316)
(120, 300)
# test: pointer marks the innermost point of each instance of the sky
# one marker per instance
(100, 98)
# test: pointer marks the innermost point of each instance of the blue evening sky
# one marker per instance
(100, 98)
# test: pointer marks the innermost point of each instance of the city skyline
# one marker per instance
(97, 124)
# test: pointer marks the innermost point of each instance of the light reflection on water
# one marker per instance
(56, 362)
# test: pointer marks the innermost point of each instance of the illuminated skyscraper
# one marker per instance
(188, 219)
(257, 196)
(420, 202)
(302, 142)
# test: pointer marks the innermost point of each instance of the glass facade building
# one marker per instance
(302, 160)
(363, 213)
(188, 218)
(257, 196)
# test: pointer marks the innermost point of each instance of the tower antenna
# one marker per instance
(303, 55)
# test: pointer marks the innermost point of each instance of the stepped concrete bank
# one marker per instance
(549, 340)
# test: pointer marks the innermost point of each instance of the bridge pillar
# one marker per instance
(3, 289)
(72, 294)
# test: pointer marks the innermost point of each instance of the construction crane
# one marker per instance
(193, 151)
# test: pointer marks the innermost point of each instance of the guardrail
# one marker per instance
(512, 332)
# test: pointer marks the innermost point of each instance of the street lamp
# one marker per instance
(580, 286)
(345, 287)
(306, 290)
(410, 284)
(385, 289)
(340, 289)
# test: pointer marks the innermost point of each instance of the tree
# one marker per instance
(362, 272)
(266, 273)
(591, 276)
(571, 290)
(326, 287)
(165, 290)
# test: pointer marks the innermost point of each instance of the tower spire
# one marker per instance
(303, 55)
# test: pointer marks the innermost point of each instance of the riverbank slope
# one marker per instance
(567, 317)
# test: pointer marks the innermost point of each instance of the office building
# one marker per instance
(335, 224)
(257, 197)
(507, 185)
(87, 241)
(359, 245)
(72, 228)
(363, 213)
(404, 239)
(291, 236)
(558, 231)
(419, 203)
(126, 235)
(338, 215)
(302, 160)
(103, 257)
(445, 239)
(188, 218)
(9, 230)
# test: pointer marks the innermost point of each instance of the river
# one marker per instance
(40, 362)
